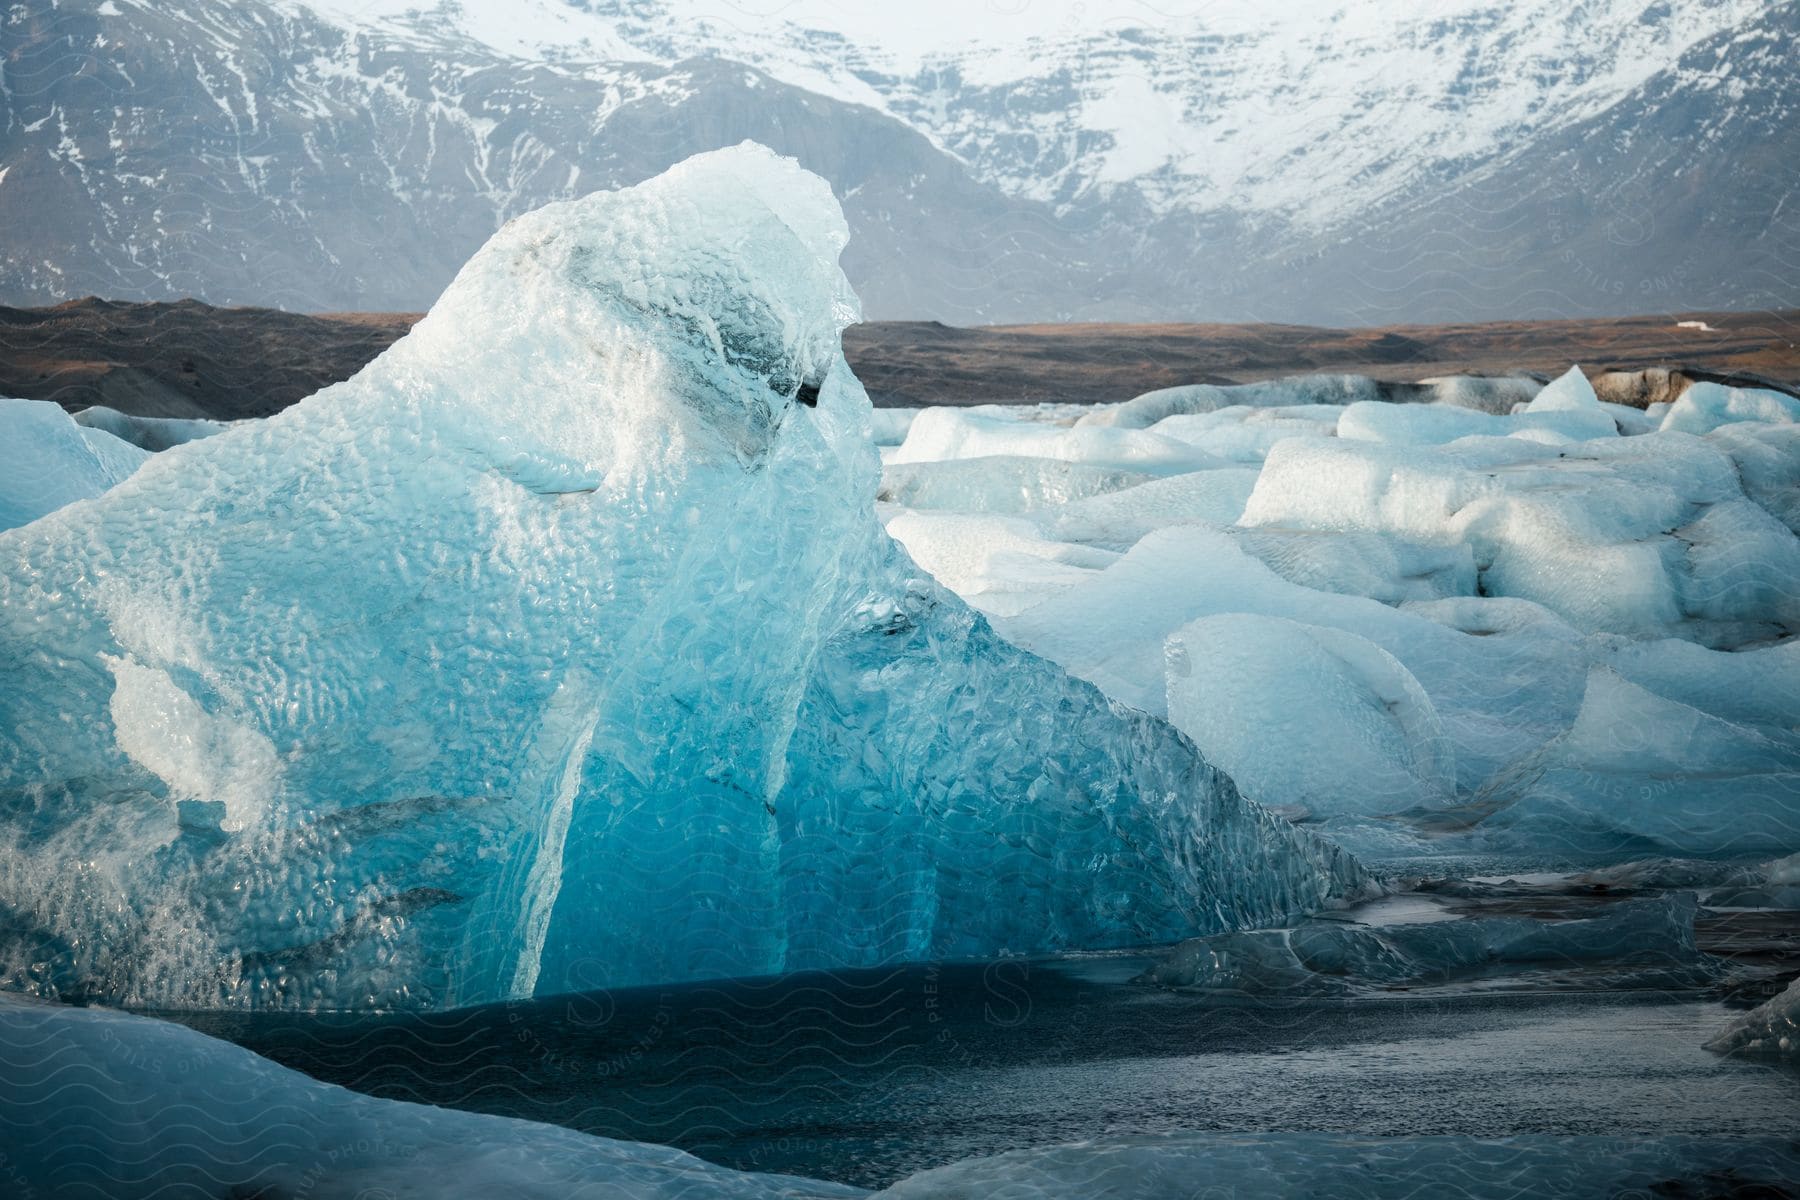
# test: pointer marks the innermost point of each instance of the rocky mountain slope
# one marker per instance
(1334, 162)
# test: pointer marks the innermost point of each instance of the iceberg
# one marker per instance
(47, 460)
(1153, 407)
(1242, 434)
(1488, 394)
(1543, 626)
(1119, 520)
(1772, 1028)
(1637, 768)
(998, 564)
(939, 434)
(1566, 410)
(999, 483)
(1648, 942)
(1705, 407)
(562, 648)
(1337, 725)
(1651, 536)
(1767, 458)
(1497, 672)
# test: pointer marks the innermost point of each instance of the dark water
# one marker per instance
(868, 1076)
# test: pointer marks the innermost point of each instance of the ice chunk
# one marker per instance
(1632, 422)
(1389, 569)
(1565, 410)
(1118, 520)
(1244, 435)
(562, 648)
(1505, 676)
(1431, 425)
(1001, 565)
(1497, 394)
(1742, 568)
(946, 433)
(1570, 392)
(888, 426)
(1629, 535)
(1342, 957)
(1767, 885)
(1307, 718)
(999, 484)
(1639, 768)
(47, 461)
(1758, 687)
(1704, 407)
(1294, 391)
(147, 433)
(1767, 458)
(1782, 872)
(104, 1103)
(1771, 1028)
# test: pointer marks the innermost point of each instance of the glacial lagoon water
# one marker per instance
(868, 1076)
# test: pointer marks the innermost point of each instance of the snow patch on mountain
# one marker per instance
(1313, 111)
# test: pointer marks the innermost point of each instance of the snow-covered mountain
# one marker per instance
(998, 162)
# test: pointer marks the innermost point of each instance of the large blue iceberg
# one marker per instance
(561, 648)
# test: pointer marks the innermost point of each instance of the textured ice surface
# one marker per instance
(999, 564)
(1338, 725)
(100, 1103)
(1243, 435)
(1119, 520)
(1771, 1028)
(147, 433)
(1000, 484)
(1472, 656)
(47, 460)
(1334, 958)
(1485, 393)
(1704, 407)
(950, 433)
(1646, 535)
(1566, 410)
(1300, 390)
(562, 648)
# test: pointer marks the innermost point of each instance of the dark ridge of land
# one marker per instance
(188, 359)
(183, 359)
(912, 363)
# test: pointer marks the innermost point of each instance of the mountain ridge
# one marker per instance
(261, 152)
